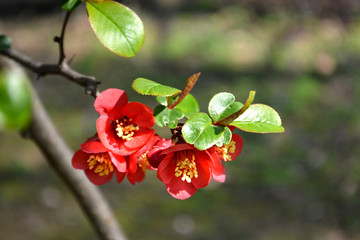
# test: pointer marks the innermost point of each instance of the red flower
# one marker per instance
(122, 127)
(139, 161)
(231, 151)
(98, 163)
(155, 155)
(186, 169)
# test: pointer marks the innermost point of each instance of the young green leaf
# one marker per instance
(188, 105)
(15, 99)
(148, 87)
(226, 138)
(70, 5)
(200, 131)
(162, 100)
(117, 27)
(5, 42)
(222, 105)
(259, 118)
(231, 117)
(165, 116)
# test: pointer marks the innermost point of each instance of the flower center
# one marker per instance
(225, 151)
(186, 166)
(101, 163)
(125, 130)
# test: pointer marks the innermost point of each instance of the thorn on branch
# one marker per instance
(91, 88)
(57, 39)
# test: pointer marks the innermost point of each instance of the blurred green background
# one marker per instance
(302, 58)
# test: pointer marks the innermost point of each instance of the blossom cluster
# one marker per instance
(126, 145)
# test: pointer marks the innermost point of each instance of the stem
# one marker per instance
(60, 39)
(187, 88)
(88, 82)
(58, 155)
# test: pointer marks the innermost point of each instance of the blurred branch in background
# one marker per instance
(58, 154)
(63, 69)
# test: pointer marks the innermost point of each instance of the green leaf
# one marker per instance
(230, 118)
(70, 5)
(222, 105)
(259, 118)
(5, 42)
(188, 105)
(148, 87)
(200, 131)
(226, 137)
(15, 99)
(165, 116)
(117, 27)
(162, 100)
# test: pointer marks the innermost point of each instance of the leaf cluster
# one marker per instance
(205, 130)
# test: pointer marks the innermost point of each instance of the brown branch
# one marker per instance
(57, 153)
(60, 39)
(88, 82)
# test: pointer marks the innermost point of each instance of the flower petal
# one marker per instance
(218, 169)
(96, 179)
(178, 147)
(110, 102)
(79, 160)
(137, 177)
(141, 114)
(148, 145)
(166, 169)
(180, 189)
(132, 166)
(203, 163)
(140, 138)
(107, 137)
(93, 147)
(238, 146)
(119, 176)
(118, 161)
(155, 155)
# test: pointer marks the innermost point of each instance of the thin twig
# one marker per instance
(88, 82)
(60, 39)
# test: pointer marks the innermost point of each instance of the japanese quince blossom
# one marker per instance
(123, 127)
(98, 163)
(185, 169)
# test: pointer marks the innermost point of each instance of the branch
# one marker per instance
(88, 82)
(57, 153)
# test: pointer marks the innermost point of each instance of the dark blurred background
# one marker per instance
(301, 56)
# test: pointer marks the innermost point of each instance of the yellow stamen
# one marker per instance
(226, 149)
(186, 166)
(143, 162)
(125, 130)
(101, 163)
